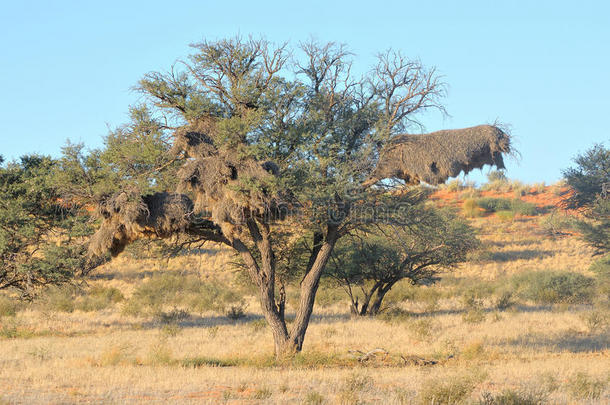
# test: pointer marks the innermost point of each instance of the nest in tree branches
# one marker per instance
(128, 216)
(232, 189)
(436, 156)
(195, 139)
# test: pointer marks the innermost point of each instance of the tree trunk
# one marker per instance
(309, 287)
(381, 292)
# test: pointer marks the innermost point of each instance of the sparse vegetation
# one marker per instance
(554, 287)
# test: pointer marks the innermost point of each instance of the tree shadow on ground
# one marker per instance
(574, 342)
(196, 321)
(512, 255)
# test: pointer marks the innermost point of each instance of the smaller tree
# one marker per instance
(374, 262)
(38, 230)
(590, 183)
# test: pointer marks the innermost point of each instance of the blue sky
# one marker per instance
(542, 67)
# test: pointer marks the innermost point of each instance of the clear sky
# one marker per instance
(541, 66)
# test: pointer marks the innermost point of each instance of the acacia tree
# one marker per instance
(590, 182)
(267, 150)
(368, 265)
(41, 237)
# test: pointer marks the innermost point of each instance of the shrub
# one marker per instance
(504, 301)
(314, 398)
(552, 287)
(506, 216)
(353, 387)
(394, 315)
(8, 307)
(159, 354)
(558, 223)
(601, 268)
(60, 299)
(98, 298)
(473, 303)
(513, 397)
(470, 208)
(595, 321)
(422, 328)
(496, 175)
(262, 393)
(516, 205)
(180, 292)
(455, 185)
(237, 311)
(582, 386)
(446, 391)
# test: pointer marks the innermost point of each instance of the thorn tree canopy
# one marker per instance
(262, 147)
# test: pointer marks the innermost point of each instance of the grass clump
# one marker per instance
(98, 298)
(314, 398)
(471, 209)
(447, 391)
(504, 301)
(516, 205)
(352, 389)
(394, 315)
(513, 397)
(187, 293)
(558, 223)
(583, 387)
(8, 306)
(554, 287)
(601, 269)
(506, 216)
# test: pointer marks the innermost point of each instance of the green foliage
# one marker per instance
(584, 387)
(447, 391)
(8, 306)
(156, 294)
(39, 233)
(590, 183)
(375, 262)
(587, 178)
(558, 223)
(71, 298)
(553, 287)
(516, 205)
(601, 268)
(506, 216)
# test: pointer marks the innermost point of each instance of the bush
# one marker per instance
(516, 205)
(8, 307)
(582, 386)
(512, 397)
(188, 293)
(601, 268)
(470, 208)
(237, 311)
(60, 299)
(558, 223)
(504, 301)
(447, 391)
(553, 287)
(98, 298)
(506, 216)
(496, 175)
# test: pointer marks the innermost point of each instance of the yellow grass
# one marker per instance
(108, 357)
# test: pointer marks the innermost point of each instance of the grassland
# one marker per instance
(473, 338)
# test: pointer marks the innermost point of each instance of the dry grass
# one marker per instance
(553, 353)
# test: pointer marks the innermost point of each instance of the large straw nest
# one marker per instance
(127, 216)
(437, 156)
